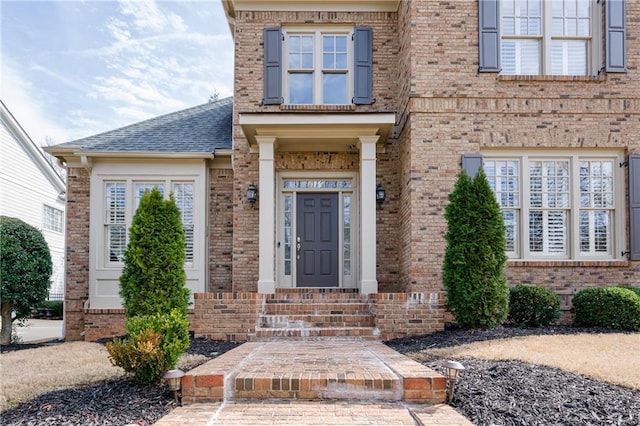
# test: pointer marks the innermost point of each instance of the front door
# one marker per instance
(317, 240)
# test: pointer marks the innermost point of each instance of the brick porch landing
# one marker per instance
(313, 370)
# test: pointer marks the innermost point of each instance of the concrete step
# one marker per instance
(313, 370)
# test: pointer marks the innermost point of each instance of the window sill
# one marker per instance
(576, 78)
(568, 263)
(315, 108)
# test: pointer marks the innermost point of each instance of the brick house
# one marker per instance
(351, 120)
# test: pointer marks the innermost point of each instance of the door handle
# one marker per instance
(298, 245)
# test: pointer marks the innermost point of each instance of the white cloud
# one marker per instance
(118, 29)
(29, 106)
(147, 16)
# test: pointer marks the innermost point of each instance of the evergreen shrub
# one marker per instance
(612, 307)
(474, 260)
(531, 306)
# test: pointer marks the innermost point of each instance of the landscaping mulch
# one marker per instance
(488, 393)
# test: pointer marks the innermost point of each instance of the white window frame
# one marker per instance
(52, 219)
(318, 71)
(132, 200)
(546, 38)
(524, 158)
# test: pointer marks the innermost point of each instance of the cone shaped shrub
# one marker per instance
(473, 267)
(153, 279)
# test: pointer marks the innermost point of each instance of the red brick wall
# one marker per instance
(220, 229)
(226, 316)
(407, 314)
(77, 257)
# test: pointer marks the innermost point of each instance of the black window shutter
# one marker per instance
(634, 205)
(471, 163)
(363, 66)
(616, 36)
(272, 66)
(489, 37)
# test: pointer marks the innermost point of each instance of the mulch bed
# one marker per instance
(489, 392)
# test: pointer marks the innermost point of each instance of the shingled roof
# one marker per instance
(202, 129)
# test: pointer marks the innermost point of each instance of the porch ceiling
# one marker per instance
(316, 132)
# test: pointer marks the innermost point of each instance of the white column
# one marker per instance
(368, 281)
(266, 234)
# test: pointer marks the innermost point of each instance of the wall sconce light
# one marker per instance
(174, 381)
(381, 194)
(452, 371)
(252, 193)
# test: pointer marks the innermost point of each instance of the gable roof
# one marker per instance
(32, 150)
(198, 130)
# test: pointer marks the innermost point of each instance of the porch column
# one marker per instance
(368, 281)
(266, 233)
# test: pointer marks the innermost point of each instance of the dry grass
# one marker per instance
(32, 372)
(29, 373)
(612, 358)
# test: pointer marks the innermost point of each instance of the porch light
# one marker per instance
(452, 370)
(380, 194)
(252, 193)
(174, 381)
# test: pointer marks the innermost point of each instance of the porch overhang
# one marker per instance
(316, 132)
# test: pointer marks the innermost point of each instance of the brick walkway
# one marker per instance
(322, 382)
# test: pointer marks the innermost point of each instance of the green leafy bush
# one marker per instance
(140, 355)
(146, 357)
(153, 279)
(56, 307)
(25, 271)
(613, 307)
(473, 267)
(636, 290)
(531, 306)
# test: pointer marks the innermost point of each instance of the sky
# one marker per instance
(75, 68)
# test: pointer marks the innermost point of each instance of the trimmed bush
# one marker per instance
(25, 271)
(56, 307)
(473, 267)
(531, 306)
(636, 290)
(153, 279)
(146, 355)
(612, 307)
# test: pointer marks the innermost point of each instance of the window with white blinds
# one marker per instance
(548, 37)
(557, 208)
(121, 199)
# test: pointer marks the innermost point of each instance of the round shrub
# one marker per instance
(153, 346)
(612, 307)
(531, 306)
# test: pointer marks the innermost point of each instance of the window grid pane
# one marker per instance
(288, 215)
(52, 219)
(346, 238)
(504, 180)
(115, 227)
(183, 194)
(142, 187)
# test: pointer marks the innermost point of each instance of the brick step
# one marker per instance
(341, 369)
(336, 320)
(382, 386)
(318, 296)
(310, 333)
(310, 308)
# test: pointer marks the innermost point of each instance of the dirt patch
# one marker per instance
(612, 358)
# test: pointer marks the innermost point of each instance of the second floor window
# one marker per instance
(317, 70)
(547, 37)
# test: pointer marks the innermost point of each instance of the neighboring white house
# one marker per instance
(33, 191)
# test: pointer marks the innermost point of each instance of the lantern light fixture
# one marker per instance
(381, 194)
(252, 193)
(452, 372)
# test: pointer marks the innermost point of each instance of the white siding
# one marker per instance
(24, 191)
